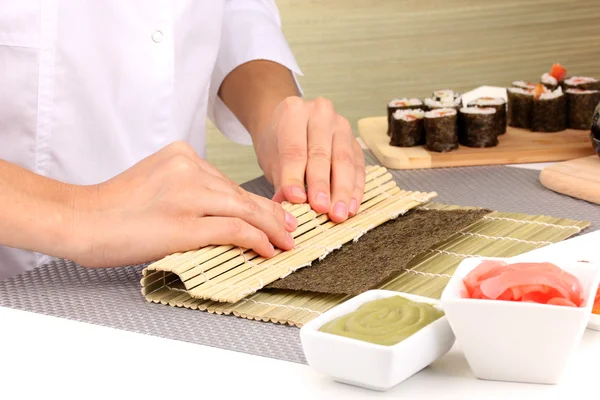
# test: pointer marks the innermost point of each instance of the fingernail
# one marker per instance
(272, 248)
(353, 207)
(322, 199)
(298, 192)
(340, 210)
(290, 221)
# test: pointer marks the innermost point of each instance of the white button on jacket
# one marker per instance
(88, 88)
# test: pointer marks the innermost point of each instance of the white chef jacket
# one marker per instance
(88, 88)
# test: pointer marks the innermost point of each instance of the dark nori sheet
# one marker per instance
(441, 133)
(581, 108)
(500, 116)
(478, 130)
(520, 107)
(381, 252)
(549, 115)
(407, 133)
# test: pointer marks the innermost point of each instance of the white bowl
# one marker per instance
(369, 365)
(518, 342)
(594, 322)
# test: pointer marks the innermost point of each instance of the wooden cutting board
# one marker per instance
(578, 178)
(516, 146)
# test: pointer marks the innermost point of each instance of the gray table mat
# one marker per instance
(111, 297)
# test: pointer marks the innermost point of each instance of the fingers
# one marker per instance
(291, 223)
(291, 125)
(270, 220)
(218, 185)
(343, 170)
(318, 168)
(359, 186)
(230, 231)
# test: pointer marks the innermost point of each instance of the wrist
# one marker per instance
(253, 91)
(80, 228)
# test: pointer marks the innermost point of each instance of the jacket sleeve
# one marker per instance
(251, 31)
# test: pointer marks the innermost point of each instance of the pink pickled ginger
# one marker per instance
(543, 283)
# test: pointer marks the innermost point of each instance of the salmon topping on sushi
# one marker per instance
(558, 72)
(539, 91)
(542, 283)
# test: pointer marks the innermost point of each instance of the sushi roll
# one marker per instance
(582, 82)
(477, 127)
(524, 85)
(441, 130)
(407, 128)
(549, 112)
(555, 77)
(497, 103)
(520, 106)
(401, 104)
(581, 105)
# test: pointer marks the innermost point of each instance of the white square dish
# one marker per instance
(369, 365)
(594, 323)
(514, 341)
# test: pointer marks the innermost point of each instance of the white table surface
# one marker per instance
(46, 356)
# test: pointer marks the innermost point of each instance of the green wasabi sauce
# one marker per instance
(385, 321)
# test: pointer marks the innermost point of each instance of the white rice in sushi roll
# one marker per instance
(549, 80)
(409, 115)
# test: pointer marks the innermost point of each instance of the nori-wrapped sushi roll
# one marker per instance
(477, 127)
(407, 128)
(441, 130)
(497, 103)
(524, 85)
(549, 113)
(581, 105)
(520, 106)
(401, 104)
(582, 82)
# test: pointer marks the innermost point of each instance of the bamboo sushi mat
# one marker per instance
(229, 274)
(111, 297)
(497, 234)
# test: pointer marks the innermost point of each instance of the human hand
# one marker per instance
(173, 201)
(309, 144)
